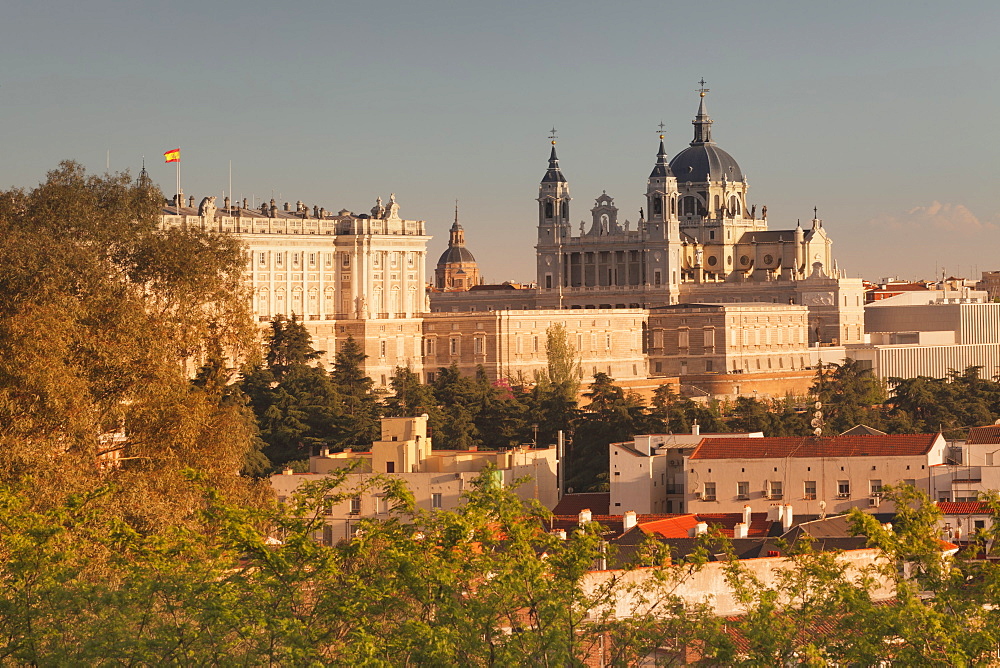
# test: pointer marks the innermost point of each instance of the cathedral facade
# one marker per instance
(697, 240)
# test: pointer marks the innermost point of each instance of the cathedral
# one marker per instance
(697, 240)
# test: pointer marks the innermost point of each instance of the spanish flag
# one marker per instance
(172, 156)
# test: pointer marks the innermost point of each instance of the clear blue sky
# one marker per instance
(882, 114)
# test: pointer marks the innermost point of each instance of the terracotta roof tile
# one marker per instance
(836, 446)
(981, 435)
(963, 508)
(671, 527)
(760, 526)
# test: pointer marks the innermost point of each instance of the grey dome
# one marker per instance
(456, 254)
(698, 162)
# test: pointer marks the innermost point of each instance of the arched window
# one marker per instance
(658, 206)
(548, 209)
(565, 209)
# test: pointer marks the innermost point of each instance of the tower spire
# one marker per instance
(702, 123)
(553, 174)
(662, 167)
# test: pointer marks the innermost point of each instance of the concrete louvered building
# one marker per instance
(812, 475)
(930, 339)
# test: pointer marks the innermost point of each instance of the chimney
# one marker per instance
(747, 514)
(244, 202)
(286, 206)
(741, 530)
(775, 512)
(629, 519)
(286, 471)
(696, 429)
(700, 529)
(560, 534)
(786, 518)
(585, 516)
(226, 203)
(191, 201)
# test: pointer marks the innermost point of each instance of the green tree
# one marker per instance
(104, 318)
(357, 393)
(612, 416)
(851, 395)
(554, 397)
(296, 403)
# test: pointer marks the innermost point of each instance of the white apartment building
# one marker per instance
(437, 478)
(647, 473)
(816, 475)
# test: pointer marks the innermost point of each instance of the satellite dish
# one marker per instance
(818, 405)
(818, 431)
(822, 505)
(818, 414)
(816, 422)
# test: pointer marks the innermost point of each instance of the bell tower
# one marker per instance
(662, 226)
(553, 224)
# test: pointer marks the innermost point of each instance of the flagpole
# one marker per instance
(180, 200)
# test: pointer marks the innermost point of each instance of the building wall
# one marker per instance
(716, 338)
(511, 344)
(436, 478)
(792, 474)
(336, 273)
(710, 585)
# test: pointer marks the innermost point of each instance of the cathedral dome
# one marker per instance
(703, 159)
(698, 162)
(455, 254)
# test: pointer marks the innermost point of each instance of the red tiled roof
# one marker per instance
(963, 508)
(670, 527)
(980, 435)
(598, 503)
(614, 524)
(760, 526)
(835, 446)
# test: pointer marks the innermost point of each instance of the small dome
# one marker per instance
(456, 254)
(697, 163)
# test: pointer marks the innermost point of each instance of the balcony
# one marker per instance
(809, 497)
(844, 495)
(776, 496)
